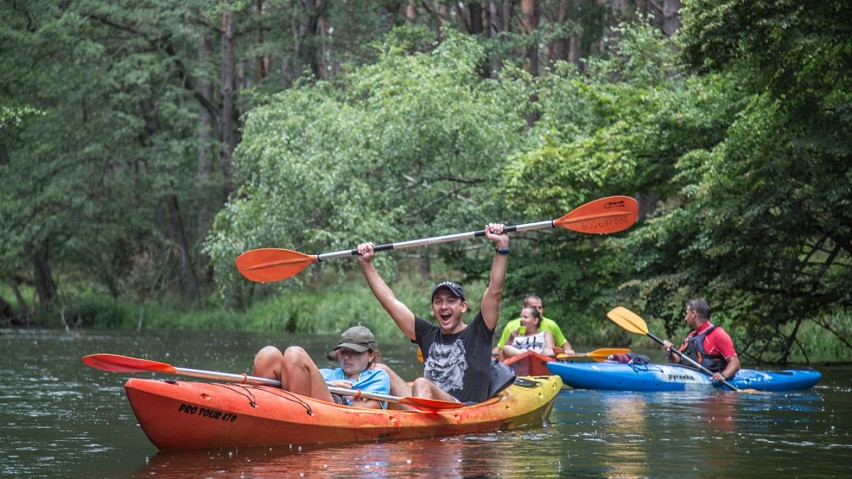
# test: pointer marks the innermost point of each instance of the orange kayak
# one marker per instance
(529, 363)
(195, 415)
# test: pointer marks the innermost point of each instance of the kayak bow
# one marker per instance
(674, 377)
(193, 415)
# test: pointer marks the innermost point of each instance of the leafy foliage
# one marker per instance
(734, 136)
(627, 120)
(411, 146)
(762, 225)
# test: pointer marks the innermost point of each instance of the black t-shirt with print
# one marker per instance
(457, 363)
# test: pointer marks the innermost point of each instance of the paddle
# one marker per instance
(597, 354)
(125, 364)
(632, 322)
(604, 215)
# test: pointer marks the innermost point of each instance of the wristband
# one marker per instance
(502, 250)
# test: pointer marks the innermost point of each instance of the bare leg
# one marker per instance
(423, 388)
(509, 351)
(294, 368)
(398, 387)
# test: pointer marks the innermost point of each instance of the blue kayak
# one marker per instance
(673, 377)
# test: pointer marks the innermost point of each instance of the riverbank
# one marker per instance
(336, 307)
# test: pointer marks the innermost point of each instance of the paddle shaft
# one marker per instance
(199, 373)
(438, 239)
(597, 354)
(691, 361)
(141, 365)
(602, 216)
(610, 214)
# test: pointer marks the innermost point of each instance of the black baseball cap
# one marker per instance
(454, 288)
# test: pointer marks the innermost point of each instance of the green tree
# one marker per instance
(142, 105)
(618, 127)
(103, 172)
(410, 146)
(762, 223)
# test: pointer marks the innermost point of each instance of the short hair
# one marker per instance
(700, 306)
(531, 296)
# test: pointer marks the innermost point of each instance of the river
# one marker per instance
(61, 419)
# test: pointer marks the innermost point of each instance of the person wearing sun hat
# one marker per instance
(457, 365)
(358, 339)
(357, 354)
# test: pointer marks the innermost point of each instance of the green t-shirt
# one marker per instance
(546, 325)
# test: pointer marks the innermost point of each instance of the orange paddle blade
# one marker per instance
(125, 364)
(606, 215)
(272, 264)
(598, 354)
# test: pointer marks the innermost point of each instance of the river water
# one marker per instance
(61, 419)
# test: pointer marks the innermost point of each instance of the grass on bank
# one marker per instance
(333, 308)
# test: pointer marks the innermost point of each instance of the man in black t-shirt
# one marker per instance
(457, 355)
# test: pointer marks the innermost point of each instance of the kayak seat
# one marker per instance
(526, 383)
(502, 376)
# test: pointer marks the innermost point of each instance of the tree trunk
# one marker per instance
(559, 48)
(575, 44)
(226, 123)
(188, 280)
(45, 287)
(207, 186)
(499, 15)
(24, 315)
(308, 30)
(670, 17)
(408, 9)
(327, 67)
(475, 10)
(22, 304)
(530, 18)
(174, 222)
(598, 46)
(262, 62)
(206, 141)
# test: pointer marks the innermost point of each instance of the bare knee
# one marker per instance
(267, 363)
(296, 356)
(268, 354)
(422, 387)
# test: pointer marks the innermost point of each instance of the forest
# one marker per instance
(144, 145)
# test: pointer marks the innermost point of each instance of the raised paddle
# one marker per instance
(632, 322)
(604, 215)
(126, 364)
(598, 354)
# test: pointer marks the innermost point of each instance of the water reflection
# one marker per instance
(640, 434)
(61, 419)
(626, 450)
(459, 457)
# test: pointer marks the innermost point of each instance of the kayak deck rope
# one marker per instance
(645, 367)
(242, 391)
(288, 396)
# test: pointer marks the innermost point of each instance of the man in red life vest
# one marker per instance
(708, 345)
